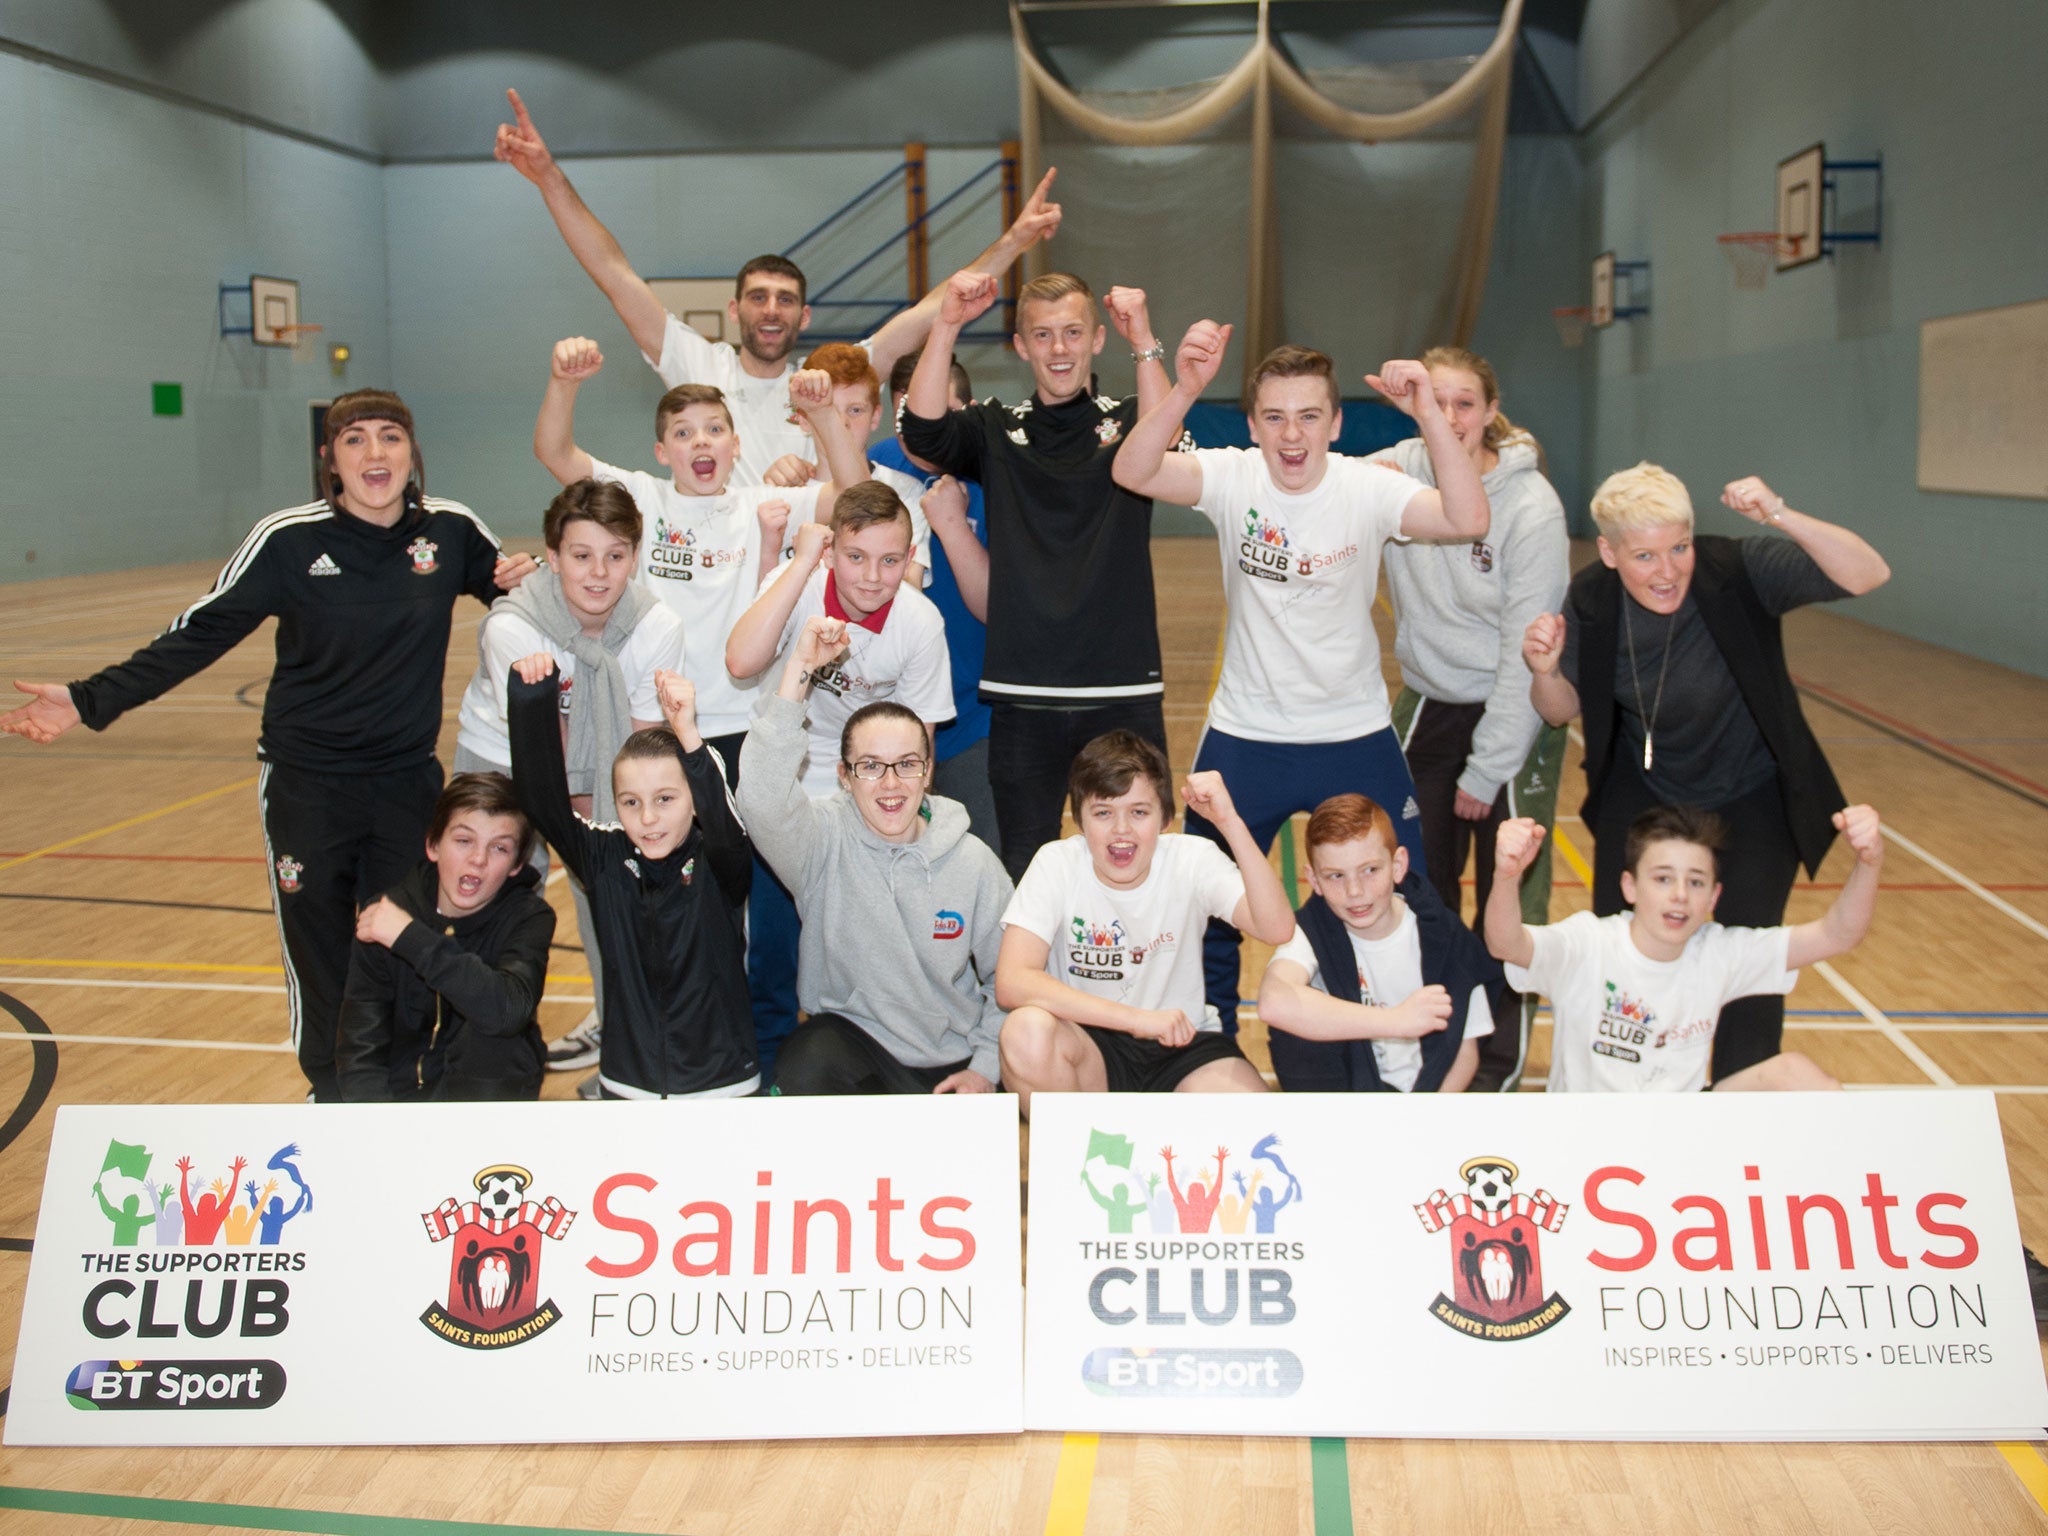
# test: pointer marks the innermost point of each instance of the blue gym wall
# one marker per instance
(1814, 382)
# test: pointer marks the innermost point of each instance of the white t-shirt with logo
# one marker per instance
(1143, 946)
(1389, 972)
(506, 637)
(1301, 662)
(1625, 1023)
(906, 660)
(700, 555)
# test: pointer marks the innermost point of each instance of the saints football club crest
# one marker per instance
(1496, 1257)
(288, 871)
(494, 1244)
(422, 551)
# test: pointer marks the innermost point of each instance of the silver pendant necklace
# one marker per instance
(1663, 669)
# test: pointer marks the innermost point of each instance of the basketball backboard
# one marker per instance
(1801, 182)
(699, 302)
(1603, 289)
(273, 311)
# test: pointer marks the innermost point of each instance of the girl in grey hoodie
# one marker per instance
(1474, 743)
(902, 906)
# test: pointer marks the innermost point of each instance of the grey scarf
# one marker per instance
(600, 705)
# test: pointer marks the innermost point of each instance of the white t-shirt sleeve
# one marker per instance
(1214, 878)
(687, 358)
(505, 638)
(1478, 1016)
(1752, 961)
(1302, 953)
(657, 644)
(925, 686)
(1225, 484)
(1560, 948)
(1382, 495)
(1037, 903)
(641, 486)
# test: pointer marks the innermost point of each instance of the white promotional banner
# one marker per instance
(412, 1274)
(1749, 1266)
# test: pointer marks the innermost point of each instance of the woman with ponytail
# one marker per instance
(1477, 749)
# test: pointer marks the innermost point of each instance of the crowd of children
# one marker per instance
(795, 714)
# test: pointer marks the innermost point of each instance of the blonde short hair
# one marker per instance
(1641, 499)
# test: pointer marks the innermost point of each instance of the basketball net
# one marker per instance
(1571, 324)
(305, 340)
(1754, 253)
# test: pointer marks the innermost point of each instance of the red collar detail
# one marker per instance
(834, 609)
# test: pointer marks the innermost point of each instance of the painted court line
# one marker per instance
(132, 821)
(220, 986)
(2031, 1470)
(1330, 1482)
(255, 1517)
(1885, 1026)
(175, 1045)
(1067, 1515)
(1965, 881)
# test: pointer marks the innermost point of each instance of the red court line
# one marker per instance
(1999, 770)
(145, 858)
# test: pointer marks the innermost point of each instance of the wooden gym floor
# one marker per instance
(134, 926)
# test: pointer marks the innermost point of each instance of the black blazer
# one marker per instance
(1749, 637)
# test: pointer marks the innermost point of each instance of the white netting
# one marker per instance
(1571, 324)
(1752, 255)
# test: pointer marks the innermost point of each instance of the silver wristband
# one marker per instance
(1156, 353)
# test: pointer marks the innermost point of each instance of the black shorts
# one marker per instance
(1137, 1065)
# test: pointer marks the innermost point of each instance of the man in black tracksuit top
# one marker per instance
(1073, 630)
(363, 586)
(671, 930)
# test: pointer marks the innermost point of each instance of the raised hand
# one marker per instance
(575, 359)
(773, 516)
(1200, 357)
(48, 714)
(968, 297)
(820, 642)
(1040, 219)
(1543, 644)
(519, 143)
(810, 389)
(1205, 794)
(1514, 847)
(789, 472)
(945, 504)
(532, 669)
(1753, 499)
(813, 543)
(678, 696)
(1126, 307)
(1859, 827)
(381, 922)
(1169, 1026)
(1405, 383)
(1422, 1012)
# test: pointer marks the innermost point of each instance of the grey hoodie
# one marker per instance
(901, 938)
(1460, 608)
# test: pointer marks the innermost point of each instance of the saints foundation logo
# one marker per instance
(494, 1261)
(1482, 556)
(288, 871)
(1496, 1258)
(422, 552)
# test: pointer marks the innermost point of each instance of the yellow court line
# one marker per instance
(132, 821)
(1070, 1483)
(1572, 857)
(2032, 1471)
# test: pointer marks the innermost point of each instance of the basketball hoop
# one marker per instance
(1571, 323)
(303, 339)
(1755, 252)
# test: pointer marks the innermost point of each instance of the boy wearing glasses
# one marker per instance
(902, 905)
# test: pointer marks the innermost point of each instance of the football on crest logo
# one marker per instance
(1496, 1260)
(288, 871)
(494, 1261)
(422, 552)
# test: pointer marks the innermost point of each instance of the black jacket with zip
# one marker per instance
(448, 1011)
(672, 931)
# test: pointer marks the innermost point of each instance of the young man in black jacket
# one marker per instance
(668, 889)
(1073, 628)
(363, 585)
(446, 978)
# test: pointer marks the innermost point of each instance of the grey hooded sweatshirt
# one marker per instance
(901, 938)
(1460, 608)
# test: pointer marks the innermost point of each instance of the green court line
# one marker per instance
(1331, 1478)
(255, 1517)
(1287, 862)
